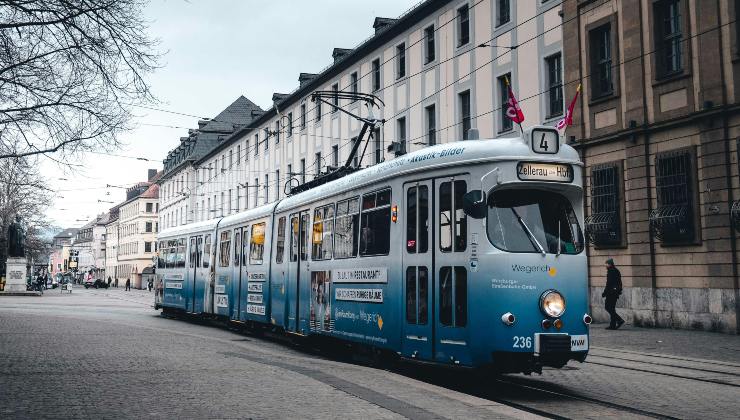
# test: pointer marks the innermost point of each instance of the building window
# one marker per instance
(604, 225)
(149, 207)
(429, 53)
(503, 11)
(256, 191)
(267, 188)
(401, 131)
(378, 145)
(303, 171)
(356, 158)
(318, 110)
(674, 218)
(463, 25)
(335, 156)
(148, 227)
(266, 140)
(246, 195)
(277, 184)
(238, 154)
(290, 124)
(318, 165)
(256, 144)
(335, 97)
(229, 200)
(669, 36)
(303, 116)
(465, 113)
(376, 74)
(600, 42)
(431, 125)
(246, 150)
(353, 82)
(400, 61)
(554, 85)
(223, 203)
(147, 247)
(238, 200)
(506, 123)
(277, 132)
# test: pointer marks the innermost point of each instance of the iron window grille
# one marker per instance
(668, 37)
(672, 221)
(604, 225)
(735, 212)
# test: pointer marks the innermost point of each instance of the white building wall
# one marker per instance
(439, 83)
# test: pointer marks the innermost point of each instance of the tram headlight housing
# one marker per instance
(552, 303)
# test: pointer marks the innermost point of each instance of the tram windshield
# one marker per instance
(532, 220)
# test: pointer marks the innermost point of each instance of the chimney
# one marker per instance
(381, 23)
(339, 53)
(304, 78)
(277, 97)
(202, 123)
(150, 174)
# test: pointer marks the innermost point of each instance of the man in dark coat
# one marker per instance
(611, 293)
(128, 284)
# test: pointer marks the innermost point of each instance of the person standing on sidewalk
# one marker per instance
(128, 284)
(611, 293)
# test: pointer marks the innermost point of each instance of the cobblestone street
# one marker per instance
(108, 354)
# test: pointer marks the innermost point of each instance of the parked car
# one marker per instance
(96, 284)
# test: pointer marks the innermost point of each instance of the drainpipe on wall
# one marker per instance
(728, 175)
(646, 141)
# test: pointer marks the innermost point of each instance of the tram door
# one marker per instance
(450, 265)
(236, 279)
(298, 271)
(193, 264)
(418, 331)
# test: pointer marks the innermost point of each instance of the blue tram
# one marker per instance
(468, 253)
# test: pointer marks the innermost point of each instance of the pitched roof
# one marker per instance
(66, 233)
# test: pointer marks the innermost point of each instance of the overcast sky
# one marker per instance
(216, 51)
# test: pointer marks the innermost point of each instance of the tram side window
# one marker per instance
(375, 223)
(411, 295)
(417, 289)
(207, 251)
(180, 261)
(293, 237)
(417, 219)
(280, 248)
(199, 251)
(171, 254)
(237, 247)
(305, 223)
(453, 304)
(323, 227)
(453, 223)
(225, 245)
(345, 232)
(257, 243)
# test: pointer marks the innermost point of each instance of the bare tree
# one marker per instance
(69, 70)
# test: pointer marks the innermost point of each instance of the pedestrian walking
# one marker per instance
(128, 284)
(116, 282)
(149, 285)
(109, 280)
(611, 293)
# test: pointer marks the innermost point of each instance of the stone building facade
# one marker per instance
(658, 128)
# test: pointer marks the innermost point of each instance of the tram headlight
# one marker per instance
(552, 303)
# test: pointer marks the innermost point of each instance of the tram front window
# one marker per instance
(533, 221)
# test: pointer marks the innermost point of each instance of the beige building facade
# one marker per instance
(658, 129)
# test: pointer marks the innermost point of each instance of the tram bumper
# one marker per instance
(552, 350)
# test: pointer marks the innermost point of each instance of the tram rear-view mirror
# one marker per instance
(474, 204)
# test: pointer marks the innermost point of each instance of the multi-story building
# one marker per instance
(657, 129)
(137, 230)
(61, 245)
(439, 69)
(111, 244)
(177, 183)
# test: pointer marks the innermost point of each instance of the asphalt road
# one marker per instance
(108, 354)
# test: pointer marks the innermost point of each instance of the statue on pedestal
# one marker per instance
(16, 239)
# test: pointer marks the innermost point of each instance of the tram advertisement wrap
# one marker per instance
(320, 318)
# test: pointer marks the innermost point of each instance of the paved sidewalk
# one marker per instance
(684, 343)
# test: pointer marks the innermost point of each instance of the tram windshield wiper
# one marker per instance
(532, 238)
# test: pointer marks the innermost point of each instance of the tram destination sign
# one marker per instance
(549, 172)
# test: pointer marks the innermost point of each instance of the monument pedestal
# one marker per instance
(15, 277)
